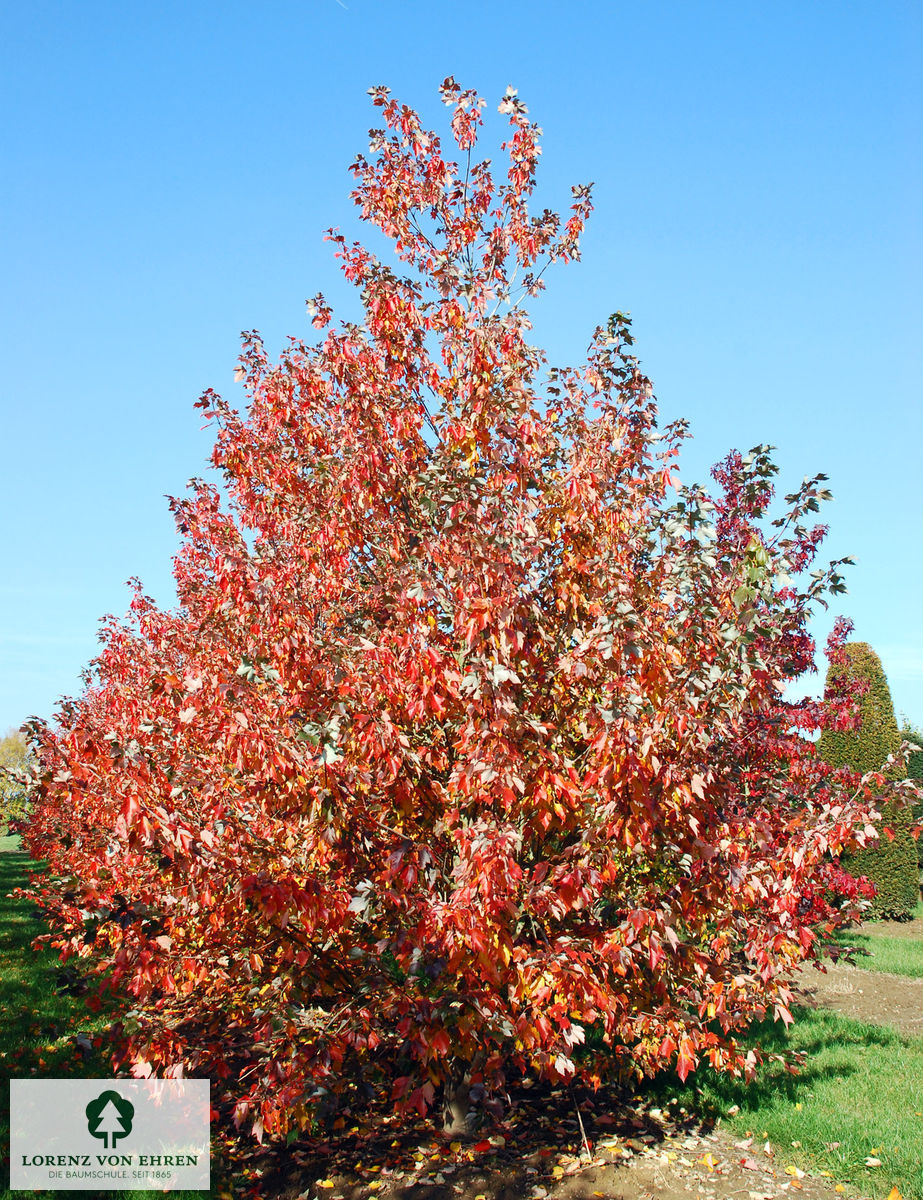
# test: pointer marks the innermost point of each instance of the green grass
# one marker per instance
(895, 955)
(861, 1087)
(40, 1022)
(886, 951)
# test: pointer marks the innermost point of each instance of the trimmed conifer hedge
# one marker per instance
(891, 865)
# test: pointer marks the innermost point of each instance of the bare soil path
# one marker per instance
(872, 996)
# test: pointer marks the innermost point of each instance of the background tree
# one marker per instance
(14, 764)
(892, 865)
(913, 734)
(469, 735)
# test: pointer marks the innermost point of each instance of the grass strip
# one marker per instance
(859, 1096)
(893, 955)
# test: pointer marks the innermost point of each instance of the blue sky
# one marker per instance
(169, 171)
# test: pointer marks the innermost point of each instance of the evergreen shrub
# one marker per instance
(892, 864)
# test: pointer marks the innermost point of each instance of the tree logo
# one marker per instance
(110, 1116)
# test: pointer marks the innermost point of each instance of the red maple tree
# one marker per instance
(468, 736)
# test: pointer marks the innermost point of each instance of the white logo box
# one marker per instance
(109, 1134)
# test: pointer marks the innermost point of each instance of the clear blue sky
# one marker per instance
(169, 170)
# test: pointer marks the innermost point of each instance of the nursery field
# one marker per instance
(850, 1124)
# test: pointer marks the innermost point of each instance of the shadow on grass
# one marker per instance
(27, 983)
(831, 1048)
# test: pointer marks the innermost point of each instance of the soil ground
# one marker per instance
(645, 1156)
(872, 996)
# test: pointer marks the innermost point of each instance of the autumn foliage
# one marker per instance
(466, 752)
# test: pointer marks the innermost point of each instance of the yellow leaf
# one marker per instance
(375, 1183)
(709, 1160)
(894, 1194)
(839, 1188)
(794, 1171)
(798, 1106)
(557, 1172)
(325, 1183)
(455, 1147)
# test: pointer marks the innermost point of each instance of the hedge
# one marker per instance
(892, 865)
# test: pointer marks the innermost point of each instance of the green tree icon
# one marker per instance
(110, 1116)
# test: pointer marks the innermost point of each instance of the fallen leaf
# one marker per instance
(325, 1183)
(873, 1162)
(894, 1194)
(750, 1164)
(795, 1171)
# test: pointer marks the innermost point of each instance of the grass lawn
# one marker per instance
(40, 1023)
(897, 956)
(887, 950)
(860, 1095)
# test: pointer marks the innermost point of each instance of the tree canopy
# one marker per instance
(14, 764)
(467, 751)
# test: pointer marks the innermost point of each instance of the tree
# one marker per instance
(892, 864)
(14, 766)
(913, 735)
(469, 735)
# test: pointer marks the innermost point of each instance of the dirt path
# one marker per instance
(871, 996)
(662, 1163)
(897, 929)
